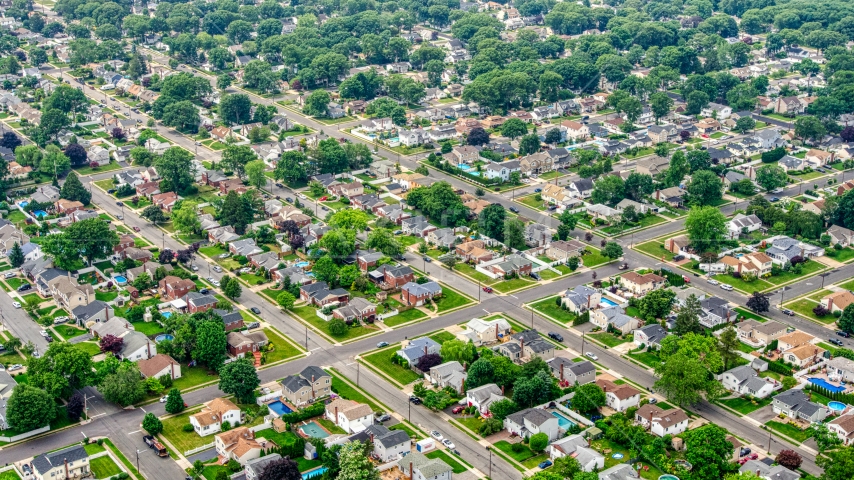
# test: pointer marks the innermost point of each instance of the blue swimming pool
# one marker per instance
(312, 429)
(279, 408)
(163, 337)
(563, 422)
(607, 302)
(464, 167)
(39, 213)
(302, 264)
(825, 384)
(313, 473)
(23, 204)
(121, 280)
(166, 314)
(837, 407)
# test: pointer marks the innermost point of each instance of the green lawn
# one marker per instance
(442, 337)
(193, 376)
(106, 296)
(845, 255)
(649, 359)
(405, 317)
(382, 361)
(594, 258)
(804, 307)
(608, 339)
(745, 347)
(91, 348)
(655, 249)
(181, 440)
(104, 467)
(745, 406)
(211, 471)
(748, 314)
(513, 284)
(469, 270)
(549, 307)
(9, 475)
(93, 448)
(652, 474)
(450, 300)
(346, 390)
(282, 349)
(449, 459)
(67, 331)
(809, 268)
(148, 328)
(307, 314)
(532, 202)
(788, 430)
(758, 284)
(646, 221)
(507, 448)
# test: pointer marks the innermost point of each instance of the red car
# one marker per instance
(457, 410)
(135, 229)
(487, 289)
(322, 199)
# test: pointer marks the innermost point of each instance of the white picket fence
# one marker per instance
(388, 314)
(199, 449)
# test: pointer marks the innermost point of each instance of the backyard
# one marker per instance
(405, 317)
(396, 373)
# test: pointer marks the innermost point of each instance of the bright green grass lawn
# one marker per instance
(282, 348)
(181, 440)
(67, 331)
(789, 430)
(808, 269)
(608, 339)
(804, 307)
(405, 317)
(193, 376)
(532, 202)
(442, 337)
(745, 406)
(16, 282)
(594, 258)
(654, 249)
(93, 448)
(106, 296)
(748, 314)
(549, 307)
(9, 475)
(469, 270)
(513, 284)
(307, 313)
(649, 359)
(453, 463)
(382, 361)
(844, 255)
(347, 391)
(91, 348)
(507, 448)
(451, 299)
(148, 328)
(104, 467)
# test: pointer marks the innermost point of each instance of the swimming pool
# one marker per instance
(607, 302)
(463, 167)
(313, 473)
(163, 337)
(668, 476)
(23, 204)
(563, 422)
(278, 408)
(121, 280)
(166, 314)
(825, 384)
(312, 429)
(39, 213)
(836, 406)
(302, 264)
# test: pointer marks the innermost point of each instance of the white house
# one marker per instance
(71, 462)
(484, 396)
(351, 416)
(532, 421)
(210, 419)
(662, 422)
(416, 466)
(743, 223)
(619, 397)
(717, 111)
(577, 447)
(745, 381)
(501, 170)
(389, 445)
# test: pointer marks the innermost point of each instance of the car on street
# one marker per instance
(245, 270)
(198, 143)
(545, 464)
(9, 275)
(514, 209)
(556, 336)
(255, 310)
(714, 282)
(24, 287)
(194, 267)
(487, 289)
(835, 341)
(726, 287)
(135, 229)
(383, 417)
(215, 283)
(538, 190)
(289, 199)
(774, 199)
(120, 217)
(382, 344)
(280, 185)
(163, 399)
(120, 204)
(788, 312)
(843, 334)
(437, 435)
(16, 304)
(217, 268)
(448, 444)
(427, 259)
(415, 400)
(457, 409)
(591, 356)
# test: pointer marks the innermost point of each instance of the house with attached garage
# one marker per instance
(255, 467)
(661, 133)
(557, 195)
(742, 223)
(416, 466)
(760, 333)
(843, 427)
(417, 348)
(720, 112)
(641, 208)
(389, 445)
(653, 166)
(581, 188)
(837, 301)
(561, 250)
(619, 397)
(661, 422)
(481, 332)
(501, 170)
(511, 264)
(484, 396)
(840, 369)
(320, 295)
(572, 373)
(840, 235)
(783, 249)
(414, 294)
(358, 308)
(351, 416)
(209, 421)
(71, 462)
(604, 212)
(307, 386)
(745, 381)
(615, 317)
(796, 404)
(448, 374)
(804, 356)
(576, 446)
(581, 299)
(392, 277)
(641, 284)
(158, 366)
(532, 421)
(650, 335)
(239, 444)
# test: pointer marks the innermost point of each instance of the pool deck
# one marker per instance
(303, 434)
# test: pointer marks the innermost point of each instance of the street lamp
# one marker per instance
(137, 461)
(490, 461)
(823, 276)
(782, 291)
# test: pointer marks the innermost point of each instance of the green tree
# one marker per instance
(29, 408)
(255, 173)
(480, 373)
(239, 378)
(608, 189)
(16, 255)
(235, 109)
(383, 241)
(182, 115)
(152, 424)
(458, 351)
(824, 438)
(236, 157)
(123, 387)
(316, 104)
(176, 167)
(232, 289)
(325, 270)
(771, 177)
(705, 188)
(709, 452)
(349, 219)
(153, 214)
(174, 402)
(529, 144)
(696, 101)
(706, 228)
(73, 189)
(588, 398)
(660, 104)
(236, 211)
(846, 321)
(809, 128)
(185, 218)
(745, 124)
(728, 343)
(538, 442)
(491, 220)
(683, 380)
(514, 233)
(286, 300)
(688, 317)
(337, 327)
(513, 128)
(54, 163)
(291, 168)
(612, 250)
(354, 464)
(210, 344)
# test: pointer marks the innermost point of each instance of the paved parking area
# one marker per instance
(764, 414)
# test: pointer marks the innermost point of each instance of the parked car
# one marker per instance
(843, 334)
(280, 185)
(437, 435)
(591, 356)
(457, 410)
(415, 400)
(714, 282)
(384, 417)
(215, 283)
(835, 341)
(726, 287)
(653, 401)
(135, 229)
(111, 191)
(624, 266)
(120, 204)
(538, 190)
(487, 289)
(382, 344)
(194, 267)
(556, 336)
(774, 199)
(289, 199)
(16, 304)
(16, 366)
(448, 444)
(535, 275)
(59, 320)
(255, 310)
(24, 287)
(427, 259)
(217, 268)
(204, 291)
(788, 312)
(744, 452)
(514, 209)
(26, 467)
(252, 325)
(224, 255)
(10, 275)
(545, 464)
(163, 399)
(678, 258)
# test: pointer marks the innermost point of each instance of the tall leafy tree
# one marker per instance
(240, 379)
(210, 344)
(176, 168)
(16, 255)
(74, 190)
(706, 228)
(29, 408)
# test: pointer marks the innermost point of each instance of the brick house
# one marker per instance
(125, 242)
(357, 309)
(199, 302)
(320, 294)
(64, 206)
(165, 200)
(389, 277)
(413, 294)
(172, 287)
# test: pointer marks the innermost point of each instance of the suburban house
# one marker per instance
(254, 467)
(837, 301)
(562, 250)
(238, 344)
(783, 249)
(482, 332)
(619, 397)
(661, 422)
(650, 335)
(641, 284)
(320, 295)
(526, 344)
(843, 427)
(572, 373)
(756, 333)
(417, 348)
(840, 235)
(71, 462)
(532, 421)
(745, 381)
(743, 224)
(448, 374)
(577, 447)
(473, 251)
(581, 188)
(793, 340)
(512, 264)
(306, 387)
(416, 466)
(840, 369)
(357, 308)
(392, 277)
(794, 403)
(653, 166)
(581, 299)
(158, 366)
(414, 294)
(172, 288)
(214, 413)
(351, 416)
(755, 262)
(484, 396)
(239, 444)
(537, 235)
(804, 355)
(615, 317)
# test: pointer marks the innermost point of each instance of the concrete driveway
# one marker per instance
(764, 414)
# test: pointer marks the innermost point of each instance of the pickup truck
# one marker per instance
(156, 446)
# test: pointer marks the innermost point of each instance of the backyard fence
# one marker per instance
(199, 449)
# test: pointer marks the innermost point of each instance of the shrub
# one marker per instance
(517, 448)
(187, 428)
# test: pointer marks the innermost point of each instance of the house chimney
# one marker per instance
(561, 372)
(107, 313)
(411, 473)
(312, 387)
(425, 349)
(148, 344)
(502, 390)
(65, 461)
(172, 365)
(496, 330)
(336, 415)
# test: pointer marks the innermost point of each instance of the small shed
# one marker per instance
(593, 433)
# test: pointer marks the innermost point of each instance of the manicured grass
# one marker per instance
(93, 448)
(788, 430)
(282, 348)
(756, 285)
(104, 467)
(405, 317)
(549, 307)
(181, 440)
(808, 269)
(398, 374)
(106, 296)
(442, 337)
(594, 258)
(211, 471)
(655, 249)
(68, 332)
(450, 300)
(532, 202)
(16, 282)
(646, 221)
(804, 307)
(745, 347)
(347, 391)
(440, 454)
(148, 328)
(649, 359)
(844, 255)
(9, 475)
(91, 348)
(105, 184)
(507, 448)
(513, 284)
(213, 251)
(745, 406)
(652, 474)
(608, 339)
(193, 376)
(469, 270)
(307, 313)
(750, 315)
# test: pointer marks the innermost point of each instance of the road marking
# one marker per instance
(485, 310)
(514, 296)
(318, 348)
(348, 364)
(135, 431)
(143, 410)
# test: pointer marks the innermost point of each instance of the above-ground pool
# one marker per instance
(836, 406)
(607, 302)
(617, 456)
(313, 473)
(825, 384)
(163, 337)
(23, 204)
(39, 213)
(312, 429)
(279, 408)
(166, 314)
(562, 421)
(121, 280)
(668, 476)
